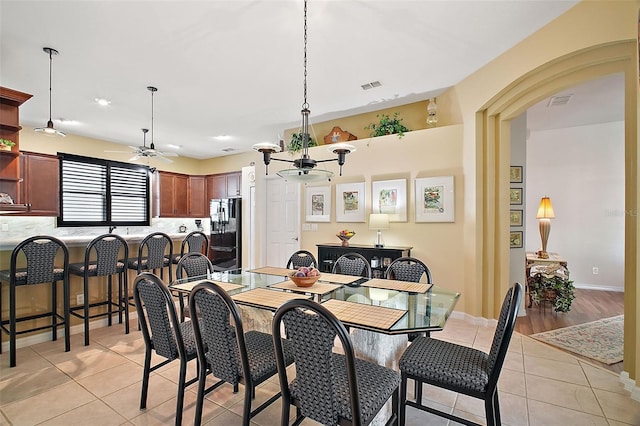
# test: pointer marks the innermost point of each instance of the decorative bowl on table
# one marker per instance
(345, 236)
(304, 277)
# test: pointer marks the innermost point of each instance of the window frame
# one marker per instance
(108, 164)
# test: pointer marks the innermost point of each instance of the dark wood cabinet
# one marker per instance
(197, 197)
(40, 183)
(224, 185)
(10, 101)
(378, 257)
(173, 194)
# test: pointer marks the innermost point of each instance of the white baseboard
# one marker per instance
(598, 287)
(34, 339)
(630, 385)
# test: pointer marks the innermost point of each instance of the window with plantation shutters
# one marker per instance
(95, 192)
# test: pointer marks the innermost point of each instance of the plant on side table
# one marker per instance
(551, 283)
(387, 126)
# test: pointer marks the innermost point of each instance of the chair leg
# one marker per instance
(125, 301)
(54, 310)
(109, 296)
(403, 400)
(66, 293)
(248, 394)
(180, 398)
(12, 326)
(145, 378)
(202, 382)
(490, 409)
(86, 310)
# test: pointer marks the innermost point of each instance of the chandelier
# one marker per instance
(304, 168)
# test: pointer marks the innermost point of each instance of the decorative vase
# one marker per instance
(344, 239)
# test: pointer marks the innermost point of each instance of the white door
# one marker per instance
(283, 221)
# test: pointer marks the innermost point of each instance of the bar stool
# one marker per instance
(195, 242)
(40, 255)
(101, 259)
(152, 255)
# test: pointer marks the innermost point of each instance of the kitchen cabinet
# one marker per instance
(173, 193)
(10, 101)
(197, 197)
(40, 183)
(223, 185)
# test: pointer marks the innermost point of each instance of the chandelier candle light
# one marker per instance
(304, 167)
(545, 214)
(379, 221)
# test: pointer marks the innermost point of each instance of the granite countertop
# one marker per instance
(83, 240)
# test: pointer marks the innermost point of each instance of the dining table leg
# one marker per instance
(382, 349)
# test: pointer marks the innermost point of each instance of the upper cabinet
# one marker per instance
(40, 183)
(173, 194)
(197, 194)
(10, 101)
(224, 185)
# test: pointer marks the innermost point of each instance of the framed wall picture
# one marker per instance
(390, 196)
(318, 204)
(515, 174)
(515, 239)
(515, 196)
(515, 217)
(435, 199)
(350, 202)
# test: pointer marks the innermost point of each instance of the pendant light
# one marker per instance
(304, 167)
(50, 130)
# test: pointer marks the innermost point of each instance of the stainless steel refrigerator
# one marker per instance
(225, 244)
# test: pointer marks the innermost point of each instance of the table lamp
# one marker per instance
(545, 214)
(379, 221)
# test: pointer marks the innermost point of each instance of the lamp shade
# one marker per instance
(379, 221)
(545, 210)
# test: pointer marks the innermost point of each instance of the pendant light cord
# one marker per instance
(305, 105)
(50, 68)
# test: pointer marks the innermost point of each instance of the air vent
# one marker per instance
(228, 149)
(559, 100)
(371, 85)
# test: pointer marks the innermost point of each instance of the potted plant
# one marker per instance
(295, 145)
(551, 283)
(387, 126)
(6, 144)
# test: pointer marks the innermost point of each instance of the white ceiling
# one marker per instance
(235, 67)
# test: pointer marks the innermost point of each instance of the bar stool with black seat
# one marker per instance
(460, 368)
(191, 265)
(153, 255)
(194, 242)
(329, 388)
(227, 352)
(105, 256)
(302, 258)
(352, 264)
(164, 334)
(40, 254)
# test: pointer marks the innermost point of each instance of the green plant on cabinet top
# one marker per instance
(387, 126)
(7, 142)
(295, 145)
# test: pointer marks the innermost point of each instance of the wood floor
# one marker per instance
(589, 305)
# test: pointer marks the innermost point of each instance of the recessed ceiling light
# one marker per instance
(68, 122)
(170, 145)
(103, 102)
(222, 137)
(229, 149)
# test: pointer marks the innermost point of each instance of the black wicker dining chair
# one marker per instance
(302, 258)
(154, 253)
(408, 268)
(191, 265)
(163, 334)
(227, 352)
(105, 256)
(194, 242)
(352, 264)
(329, 388)
(43, 265)
(460, 368)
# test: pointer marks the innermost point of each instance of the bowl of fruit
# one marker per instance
(305, 276)
(345, 235)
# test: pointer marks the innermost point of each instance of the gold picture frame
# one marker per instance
(515, 239)
(515, 174)
(515, 217)
(515, 196)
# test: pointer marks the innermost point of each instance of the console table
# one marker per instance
(532, 259)
(378, 257)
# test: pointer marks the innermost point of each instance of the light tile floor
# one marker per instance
(100, 385)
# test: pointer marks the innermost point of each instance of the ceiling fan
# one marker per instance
(144, 151)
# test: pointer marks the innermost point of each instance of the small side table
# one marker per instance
(532, 259)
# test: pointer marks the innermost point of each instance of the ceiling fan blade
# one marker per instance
(134, 158)
(166, 160)
(167, 154)
(119, 152)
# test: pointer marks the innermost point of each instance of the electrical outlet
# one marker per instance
(80, 299)
(595, 270)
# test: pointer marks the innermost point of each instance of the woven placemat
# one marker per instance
(367, 315)
(265, 298)
(317, 288)
(397, 285)
(187, 287)
(272, 270)
(338, 278)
